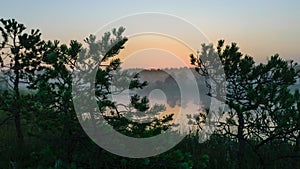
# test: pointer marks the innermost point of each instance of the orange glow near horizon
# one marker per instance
(155, 51)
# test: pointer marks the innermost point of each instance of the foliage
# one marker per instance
(261, 108)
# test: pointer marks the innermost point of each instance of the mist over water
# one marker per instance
(163, 90)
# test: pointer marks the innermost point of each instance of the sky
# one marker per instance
(261, 28)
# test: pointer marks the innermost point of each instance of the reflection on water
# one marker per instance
(183, 111)
(168, 94)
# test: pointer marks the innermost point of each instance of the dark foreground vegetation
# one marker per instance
(40, 129)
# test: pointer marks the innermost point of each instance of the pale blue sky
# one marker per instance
(261, 28)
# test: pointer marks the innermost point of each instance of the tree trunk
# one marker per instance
(20, 136)
(297, 147)
(241, 140)
(17, 115)
(297, 151)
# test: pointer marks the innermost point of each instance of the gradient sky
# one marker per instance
(260, 27)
